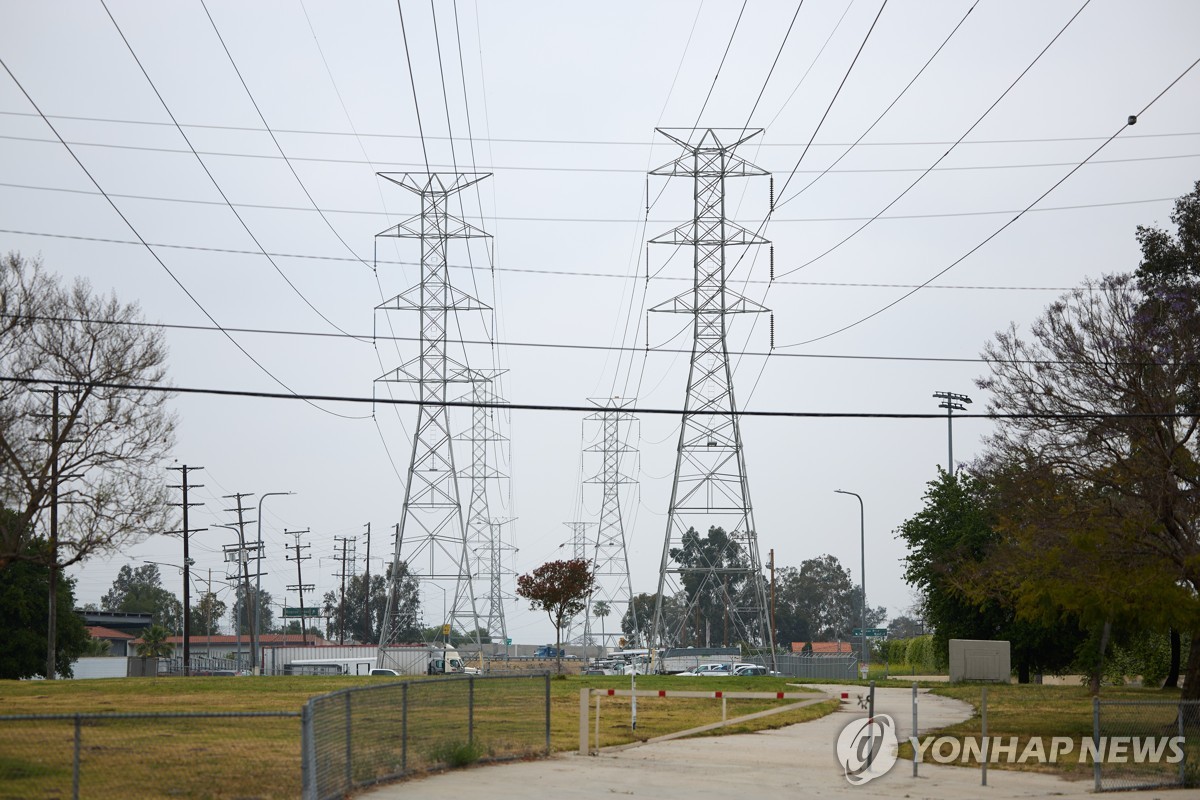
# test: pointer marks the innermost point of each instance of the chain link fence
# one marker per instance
(1146, 744)
(211, 755)
(809, 665)
(360, 736)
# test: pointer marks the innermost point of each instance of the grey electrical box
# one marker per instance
(980, 660)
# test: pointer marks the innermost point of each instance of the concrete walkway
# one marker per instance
(796, 761)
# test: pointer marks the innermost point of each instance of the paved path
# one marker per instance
(796, 761)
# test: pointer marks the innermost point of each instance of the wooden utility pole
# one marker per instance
(52, 621)
(187, 562)
(344, 541)
(300, 586)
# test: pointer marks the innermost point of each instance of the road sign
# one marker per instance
(445, 630)
(295, 612)
(871, 632)
(508, 641)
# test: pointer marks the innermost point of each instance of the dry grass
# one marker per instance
(260, 757)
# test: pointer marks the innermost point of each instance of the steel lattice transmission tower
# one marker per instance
(720, 576)
(486, 548)
(431, 536)
(610, 558)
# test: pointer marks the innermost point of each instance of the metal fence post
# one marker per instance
(308, 760)
(871, 721)
(404, 728)
(470, 710)
(546, 677)
(1182, 761)
(1096, 741)
(584, 747)
(983, 735)
(914, 729)
(78, 747)
(349, 751)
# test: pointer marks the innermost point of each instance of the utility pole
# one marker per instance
(367, 584)
(771, 566)
(431, 517)
(710, 488)
(184, 486)
(300, 586)
(346, 557)
(951, 402)
(610, 559)
(243, 555)
(52, 620)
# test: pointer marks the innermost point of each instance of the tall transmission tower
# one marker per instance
(431, 534)
(486, 547)
(719, 574)
(610, 558)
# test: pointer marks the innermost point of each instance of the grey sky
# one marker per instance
(563, 99)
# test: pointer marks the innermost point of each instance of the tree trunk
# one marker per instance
(1191, 676)
(1098, 669)
(1023, 671)
(1172, 681)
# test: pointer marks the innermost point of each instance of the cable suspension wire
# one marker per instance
(944, 155)
(329, 398)
(590, 220)
(499, 140)
(212, 178)
(137, 235)
(1131, 120)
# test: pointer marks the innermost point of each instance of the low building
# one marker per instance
(118, 641)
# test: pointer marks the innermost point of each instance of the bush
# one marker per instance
(456, 754)
(921, 653)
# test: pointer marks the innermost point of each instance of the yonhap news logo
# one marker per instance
(866, 748)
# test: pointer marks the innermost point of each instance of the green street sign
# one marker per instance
(508, 641)
(871, 632)
(295, 612)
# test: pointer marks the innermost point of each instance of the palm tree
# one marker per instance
(601, 609)
(154, 643)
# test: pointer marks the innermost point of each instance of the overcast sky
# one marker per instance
(559, 101)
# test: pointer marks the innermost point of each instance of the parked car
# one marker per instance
(389, 673)
(710, 670)
(750, 670)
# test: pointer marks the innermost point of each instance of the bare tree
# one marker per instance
(101, 457)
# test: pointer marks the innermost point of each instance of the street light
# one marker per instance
(254, 630)
(862, 533)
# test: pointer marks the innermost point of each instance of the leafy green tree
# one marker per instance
(712, 576)
(905, 627)
(140, 590)
(364, 610)
(560, 588)
(240, 613)
(154, 643)
(206, 615)
(97, 647)
(1172, 259)
(673, 610)
(953, 561)
(24, 621)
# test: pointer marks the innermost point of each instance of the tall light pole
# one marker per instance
(862, 534)
(951, 402)
(258, 574)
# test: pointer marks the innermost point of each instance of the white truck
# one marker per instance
(414, 659)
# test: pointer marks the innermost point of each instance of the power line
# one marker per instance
(149, 249)
(1131, 121)
(212, 178)
(591, 220)
(544, 168)
(589, 409)
(615, 143)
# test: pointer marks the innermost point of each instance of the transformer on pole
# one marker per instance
(710, 553)
(431, 536)
(609, 556)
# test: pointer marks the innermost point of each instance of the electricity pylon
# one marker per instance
(719, 575)
(431, 537)
(610, 557)
(486, 547)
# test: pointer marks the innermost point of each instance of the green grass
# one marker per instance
(195, 758)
